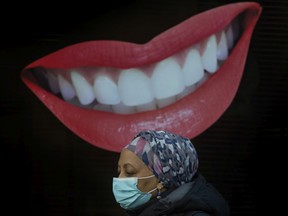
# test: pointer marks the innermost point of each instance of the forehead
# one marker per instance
(128, 157)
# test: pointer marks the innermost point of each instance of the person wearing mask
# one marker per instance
(158, 176)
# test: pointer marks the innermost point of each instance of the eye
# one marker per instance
(129, 173)
(129, 170)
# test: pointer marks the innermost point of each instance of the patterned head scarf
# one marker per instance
(172, 158)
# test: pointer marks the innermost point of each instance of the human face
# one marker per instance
(130, 165)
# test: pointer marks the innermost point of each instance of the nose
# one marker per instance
(121, 175)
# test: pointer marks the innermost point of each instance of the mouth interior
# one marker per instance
(145, 88)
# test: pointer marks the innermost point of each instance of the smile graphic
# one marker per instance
(182, 80)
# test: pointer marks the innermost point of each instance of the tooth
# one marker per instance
(75, 101)
(204, 78)
(134, 87)
(66, 88)
(188, 90)
(53, 83)
(209, 55)
(105, 90)
(84, 90)
(222, 49)
(103, 107)
(230, 37)
(192, 68)
(146, 107)
(123, 109)
(167, 79)
(166, 101)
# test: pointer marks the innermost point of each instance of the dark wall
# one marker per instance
(47, 170)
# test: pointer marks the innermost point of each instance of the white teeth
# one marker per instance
(222, 49)
(187, 91)
(66, 88)
(230, 37)
(122, 109)
(192, 68)
(167, 79)
(209, 55)
(76, 102)
(151, 87)
(105, 90)
(134, 87)
(83, 89)
(166, 101)
(53, 83)
(204, 78)
(146, 107)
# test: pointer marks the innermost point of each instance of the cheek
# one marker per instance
(146, 185)
(143, 185)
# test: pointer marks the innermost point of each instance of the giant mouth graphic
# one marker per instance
(182, 80)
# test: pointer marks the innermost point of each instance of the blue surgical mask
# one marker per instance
(127, 193)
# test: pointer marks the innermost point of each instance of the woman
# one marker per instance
(158, 176)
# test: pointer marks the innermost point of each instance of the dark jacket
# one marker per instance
(197, 198)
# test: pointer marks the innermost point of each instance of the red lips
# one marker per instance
(188, 117)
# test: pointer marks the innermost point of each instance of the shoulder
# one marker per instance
(203, 187)
(208, 197)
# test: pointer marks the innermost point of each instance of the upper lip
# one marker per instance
(189, 117)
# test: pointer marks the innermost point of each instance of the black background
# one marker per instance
(47, 170)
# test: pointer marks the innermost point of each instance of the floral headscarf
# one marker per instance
(172, 158)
